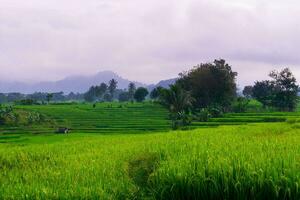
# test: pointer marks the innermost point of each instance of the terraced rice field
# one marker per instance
(254, 161)
(104, 118)
(127, 118)
(238, 156)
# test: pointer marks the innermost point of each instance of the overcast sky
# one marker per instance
(146, 40)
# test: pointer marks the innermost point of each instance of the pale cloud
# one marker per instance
(146, 40)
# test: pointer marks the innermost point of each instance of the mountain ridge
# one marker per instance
(77, 84)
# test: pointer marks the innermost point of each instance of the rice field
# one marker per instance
(256, 161)
(129, 152)
(104, 118)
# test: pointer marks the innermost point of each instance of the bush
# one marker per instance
(180, 119)
(204, 115)
(215, 112)
(292, 121)
(26, 102)
(240, 105)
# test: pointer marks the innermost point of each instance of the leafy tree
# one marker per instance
(49, 97)
(38, 96)
(90, 95)
(3, 98)
(155, 93)
(15, 96)
(107, 97)
(131, 91)
(73, 96)
(240, 104)
(124, 96)
(100, 90)
(113, 84)
(248, 91)
(210, 84)
(280, 92)
(263, 91)
(58, 96)
(178, 102)
(140, 94)
(286, 89)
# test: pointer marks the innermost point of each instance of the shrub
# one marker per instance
(216, 111)
(204, 115)
(240, 105)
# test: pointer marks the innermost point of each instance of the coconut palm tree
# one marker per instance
(178, 101)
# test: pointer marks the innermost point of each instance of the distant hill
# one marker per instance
(76, 84)
(166, 83)
(70, 84)
(163, 83)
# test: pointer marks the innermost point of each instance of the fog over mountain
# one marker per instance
(69, 84)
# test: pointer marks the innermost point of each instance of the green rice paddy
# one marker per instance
(127, 151)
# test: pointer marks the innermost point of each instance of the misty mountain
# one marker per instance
(70, 84)
(163, 83)
(76, 84)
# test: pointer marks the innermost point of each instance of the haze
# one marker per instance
(146, 41)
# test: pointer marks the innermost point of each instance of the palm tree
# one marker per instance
(178, 101)
(49, 97)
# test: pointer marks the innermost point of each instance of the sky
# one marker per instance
(144, 40)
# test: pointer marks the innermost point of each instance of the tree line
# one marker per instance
(207, 90)
(210, 90)
(110, 92)
(39, 97)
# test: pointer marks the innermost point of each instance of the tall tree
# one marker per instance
(100, 90)
(113, 84)
(49, 97)
(280, 92)
(140, 94)
(263, 91)
(210, 84)
(178, 101)
(286, 89)
(124, 96)
(90, 95)
(248, 91)
(155, 93)
(131, 91)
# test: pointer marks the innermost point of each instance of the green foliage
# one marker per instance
(248, 91)
(95, 92)
(124, 96)
(210, 84)
(281, 92)
(8, 116)
(106, 117)
(240, 104)
(141, 167)
(131, 91)
(112, 86)
(257, 161)
(156, 92)
(26, 102)
(140, 94)
(178, 102)
(203, 115)
(49, 97)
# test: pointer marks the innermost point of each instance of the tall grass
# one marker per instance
(257, 161)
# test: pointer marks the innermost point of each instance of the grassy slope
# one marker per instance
(257, 160)
(125, 118)
(105, 118)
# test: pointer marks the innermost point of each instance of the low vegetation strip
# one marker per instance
(257, 161)
(105, 117)
(121, 118)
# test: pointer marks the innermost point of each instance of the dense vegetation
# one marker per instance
(258, 161)
(100, 118)
(229, 146)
